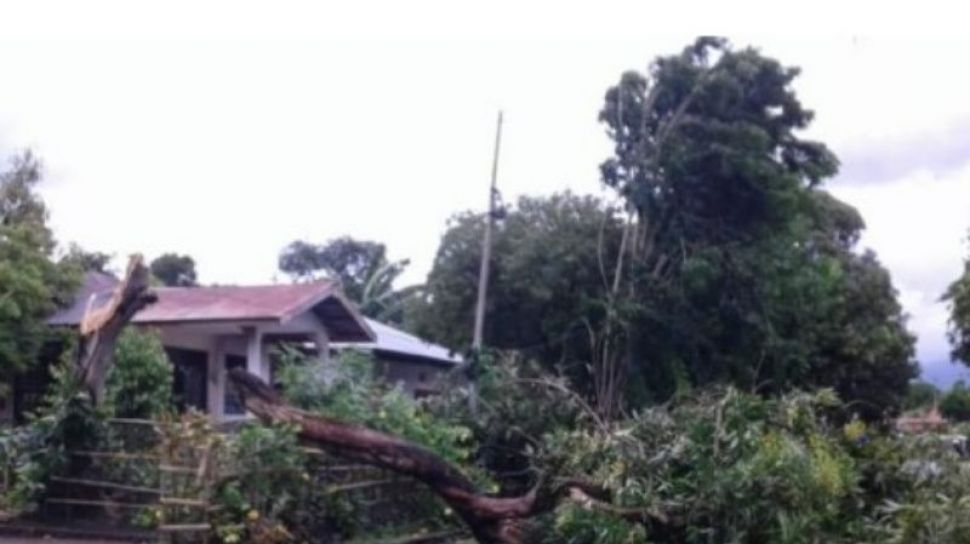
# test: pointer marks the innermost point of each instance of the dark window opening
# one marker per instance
(28, 392)
(231, 404)
(190, 386)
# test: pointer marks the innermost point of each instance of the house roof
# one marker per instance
(397, 342)
(277, 303)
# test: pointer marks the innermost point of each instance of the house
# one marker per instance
(208, 330)
(405, 359)
(930, 420)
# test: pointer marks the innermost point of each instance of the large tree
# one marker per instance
(365, 274)
(547, 274)
(738, 266)
(174, 270)
(32, 284)
(86, 261)
(735, 265)
(804, 308)
(957, 296)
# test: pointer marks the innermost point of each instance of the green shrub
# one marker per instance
(918, 487)
(31, 453)
(262, 482)
(139, 384)
(582, 526)
(347, 390)
(729, 467)
(956, 403)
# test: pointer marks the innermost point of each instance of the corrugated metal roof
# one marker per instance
(234, 303)
(229, 303)
(397, 341)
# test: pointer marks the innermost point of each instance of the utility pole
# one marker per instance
(487, 244)
(483, 275)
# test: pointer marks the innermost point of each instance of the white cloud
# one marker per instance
(918, 224)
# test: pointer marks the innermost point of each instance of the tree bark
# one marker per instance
(100, 327)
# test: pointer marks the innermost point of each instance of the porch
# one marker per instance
(201, 355)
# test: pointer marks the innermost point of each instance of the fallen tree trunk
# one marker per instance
(490, 519)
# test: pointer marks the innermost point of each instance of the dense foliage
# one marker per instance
(174, 270)
(140, 382)
(264, 482)
(347, 390)
(742, 269)
(31, 453)
(958, 298)
(735, 266)
(721, 465)
(138, 386)
(86, 261)
(546, 279)
(32, 284)
(921, 395)
(955, 404)
(273, 490)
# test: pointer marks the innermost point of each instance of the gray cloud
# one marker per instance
(884, 159)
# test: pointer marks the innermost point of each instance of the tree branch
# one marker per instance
(491, 519)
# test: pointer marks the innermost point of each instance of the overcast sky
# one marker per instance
(227, 129)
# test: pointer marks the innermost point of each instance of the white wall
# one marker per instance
(220, 340)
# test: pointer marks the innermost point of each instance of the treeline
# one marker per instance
(720, 257)
(723, 258)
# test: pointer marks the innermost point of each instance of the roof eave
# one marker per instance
(330, 291)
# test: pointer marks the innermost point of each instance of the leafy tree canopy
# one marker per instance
(957, 297)
(174, 270)
(956, 403)
(140, 382)
(742, 268)
(361, 266)
(86, 261)
(32, 285)
(921, 395)
(546, 276)
(707, 147)
(735, 265)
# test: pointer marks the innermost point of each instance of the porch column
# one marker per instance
(254, 351)
(322, 342)
(217, 378)
(327, 369)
